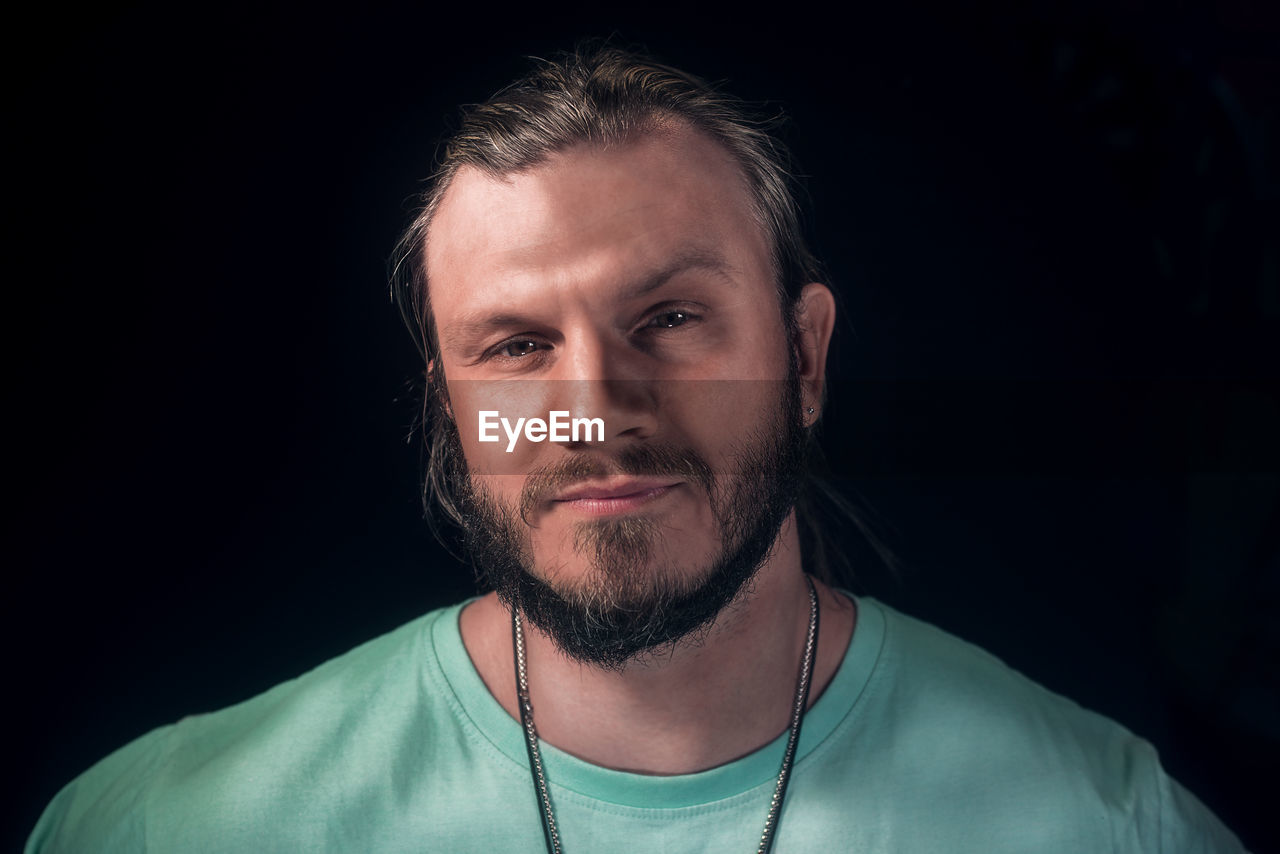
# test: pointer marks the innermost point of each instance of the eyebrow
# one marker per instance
(690, 259)
(476, 325)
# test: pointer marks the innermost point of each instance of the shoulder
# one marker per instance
(964, 705)
(974, 737)
(926, 670)
(249, 760)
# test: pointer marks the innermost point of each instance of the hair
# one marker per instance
(601, 95)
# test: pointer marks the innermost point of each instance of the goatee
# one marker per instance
(629, 603)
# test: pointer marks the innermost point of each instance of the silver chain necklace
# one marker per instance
(788, 757)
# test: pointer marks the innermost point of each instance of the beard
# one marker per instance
(630, 602)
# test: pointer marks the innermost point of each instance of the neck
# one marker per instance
(694, 707)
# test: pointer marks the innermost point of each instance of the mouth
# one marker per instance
(614, 495)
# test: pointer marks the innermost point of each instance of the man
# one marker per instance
(626, 342)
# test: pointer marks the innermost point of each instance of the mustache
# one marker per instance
(645, 460)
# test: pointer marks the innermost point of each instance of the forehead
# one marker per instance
(589, 214)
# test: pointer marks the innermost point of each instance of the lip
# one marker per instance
(614, 495)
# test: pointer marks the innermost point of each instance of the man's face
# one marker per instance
(630, 284)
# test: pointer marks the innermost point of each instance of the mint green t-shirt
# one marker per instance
(921, 742)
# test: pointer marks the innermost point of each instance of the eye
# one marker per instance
(518, 348)
(668, 320)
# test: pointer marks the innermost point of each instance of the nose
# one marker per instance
(603, 377)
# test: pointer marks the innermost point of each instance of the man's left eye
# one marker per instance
(668, 320)
(519, 348)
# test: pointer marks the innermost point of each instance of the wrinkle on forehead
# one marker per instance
(586, 173)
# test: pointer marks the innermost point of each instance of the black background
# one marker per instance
(1054, 234)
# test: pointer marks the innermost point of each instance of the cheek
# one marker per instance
(717, 417)
(491, 417)
(748, 341)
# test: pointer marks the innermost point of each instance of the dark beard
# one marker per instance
(627, 606)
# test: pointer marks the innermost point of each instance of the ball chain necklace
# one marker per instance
(549, 831)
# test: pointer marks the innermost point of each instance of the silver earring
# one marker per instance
(810, 410)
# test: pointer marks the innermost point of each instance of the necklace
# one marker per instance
(549, 831)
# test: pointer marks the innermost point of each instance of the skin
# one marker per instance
(630, 283)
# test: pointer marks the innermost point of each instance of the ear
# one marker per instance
(437, 385)
(815, 320)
